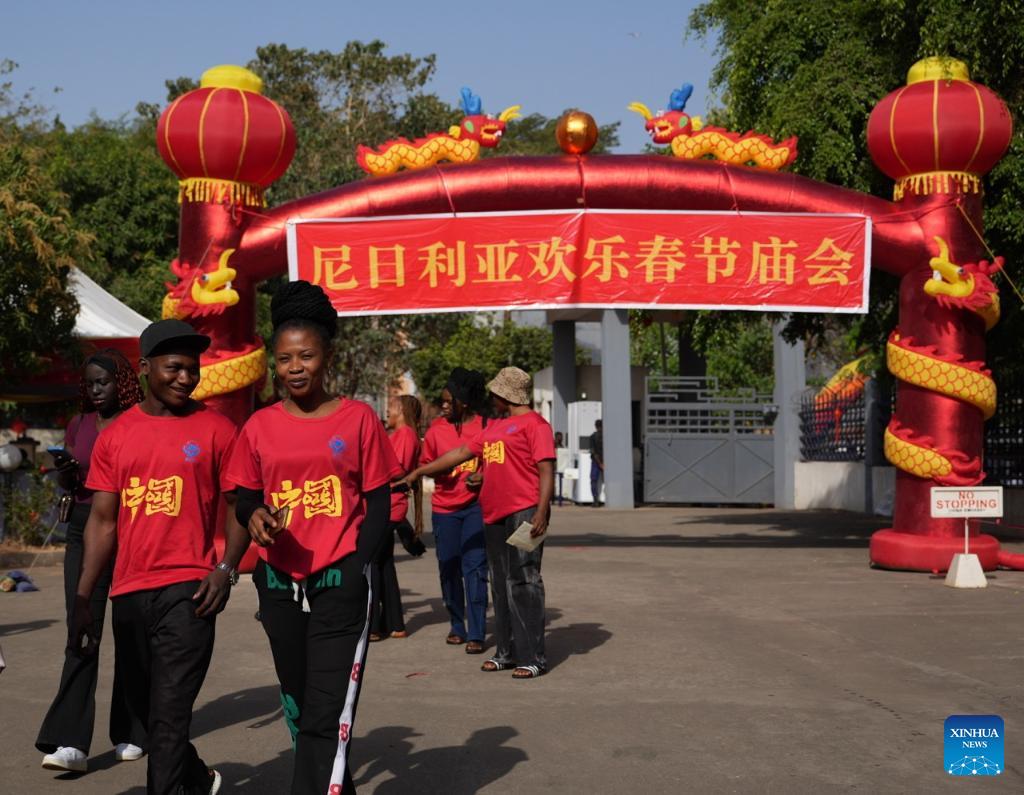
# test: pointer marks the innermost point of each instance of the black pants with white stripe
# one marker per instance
(319, 657)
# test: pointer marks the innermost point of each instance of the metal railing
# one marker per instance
(833, 428)
(692, 406)
(1004, 438)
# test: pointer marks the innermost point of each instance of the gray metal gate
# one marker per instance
(703, 447)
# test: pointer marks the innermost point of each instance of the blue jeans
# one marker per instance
(462, 563)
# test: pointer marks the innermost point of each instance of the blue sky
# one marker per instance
(106, 55)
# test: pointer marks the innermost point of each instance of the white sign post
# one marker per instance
(973, 502)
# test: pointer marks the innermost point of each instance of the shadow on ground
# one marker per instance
(6, 630)
(424, 612)
(256, 706)
(561, 643)
(484, 758)
(773, 530)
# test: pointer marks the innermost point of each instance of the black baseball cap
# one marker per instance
(166, 334)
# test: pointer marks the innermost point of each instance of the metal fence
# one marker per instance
(1004, 438)
(833, 429)
(836, 429)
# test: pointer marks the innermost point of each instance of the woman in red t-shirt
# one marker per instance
(314, 475)
(109, 386)
(403, 420)
(518, 451)
(455, 511)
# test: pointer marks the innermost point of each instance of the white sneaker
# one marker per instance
(126, 752)
(215, 782)
(66, 758)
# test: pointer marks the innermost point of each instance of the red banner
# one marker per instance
(592, 258)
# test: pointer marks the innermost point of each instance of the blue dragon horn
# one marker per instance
(471, 103)
(678, 98)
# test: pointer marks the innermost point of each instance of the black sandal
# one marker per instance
(528, 672)
(492, 665)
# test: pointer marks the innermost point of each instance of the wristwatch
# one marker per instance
(231, 571)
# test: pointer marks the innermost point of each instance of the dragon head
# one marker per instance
(480, 127)
(198, 292)
(967, 286)
(671, 122)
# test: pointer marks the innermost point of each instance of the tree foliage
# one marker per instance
(816, 70)
(534, 134)
(38, 244)
(485, 346)
(119, 190)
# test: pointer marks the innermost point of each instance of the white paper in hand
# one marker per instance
(521, 538)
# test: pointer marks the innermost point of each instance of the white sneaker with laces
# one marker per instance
(126, 752)
(66, 758)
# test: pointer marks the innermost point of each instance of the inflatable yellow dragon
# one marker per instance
(690, 139)
(199, 293)
(461, 144)
(969, 287)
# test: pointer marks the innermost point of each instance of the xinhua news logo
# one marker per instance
(974, 745)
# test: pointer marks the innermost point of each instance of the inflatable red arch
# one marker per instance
(929, 238)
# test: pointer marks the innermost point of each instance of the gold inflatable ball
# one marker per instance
(576, 132)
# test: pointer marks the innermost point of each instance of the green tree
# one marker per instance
(338, 100)
(484, 345)
(38, 245)
(534, 134)
(119, 191)
(816, 71)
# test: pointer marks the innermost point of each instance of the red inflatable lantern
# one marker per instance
(225, 141)
(940, 131)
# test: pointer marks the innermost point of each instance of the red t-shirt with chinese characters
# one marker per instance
(406, 444)
(169, 473)
(320, 467)
(450, 491)
(511, 448)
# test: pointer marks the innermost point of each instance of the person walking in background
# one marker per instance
(403, 422)
(596, 462)
(108, 387)
(157, 477)
(313, 474)
(518, 452)
(455, 511)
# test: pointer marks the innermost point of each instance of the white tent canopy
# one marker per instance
(100, 315)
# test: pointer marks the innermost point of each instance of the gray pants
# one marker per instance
(517, 591)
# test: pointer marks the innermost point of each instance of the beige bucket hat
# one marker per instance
(513, 385)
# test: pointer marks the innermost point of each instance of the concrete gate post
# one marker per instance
(616, 409)
(790, 382)
(563, 376)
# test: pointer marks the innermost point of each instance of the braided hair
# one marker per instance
(468, 387)
(129, 390)
(301, 305)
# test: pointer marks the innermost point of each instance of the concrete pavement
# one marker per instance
(692, 650)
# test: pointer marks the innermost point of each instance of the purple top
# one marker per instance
(79, 439)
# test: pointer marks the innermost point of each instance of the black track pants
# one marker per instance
(388, 615)
(164, 652)
(319, 656)
(71, 716)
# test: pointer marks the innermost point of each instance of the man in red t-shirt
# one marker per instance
(156, 474)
